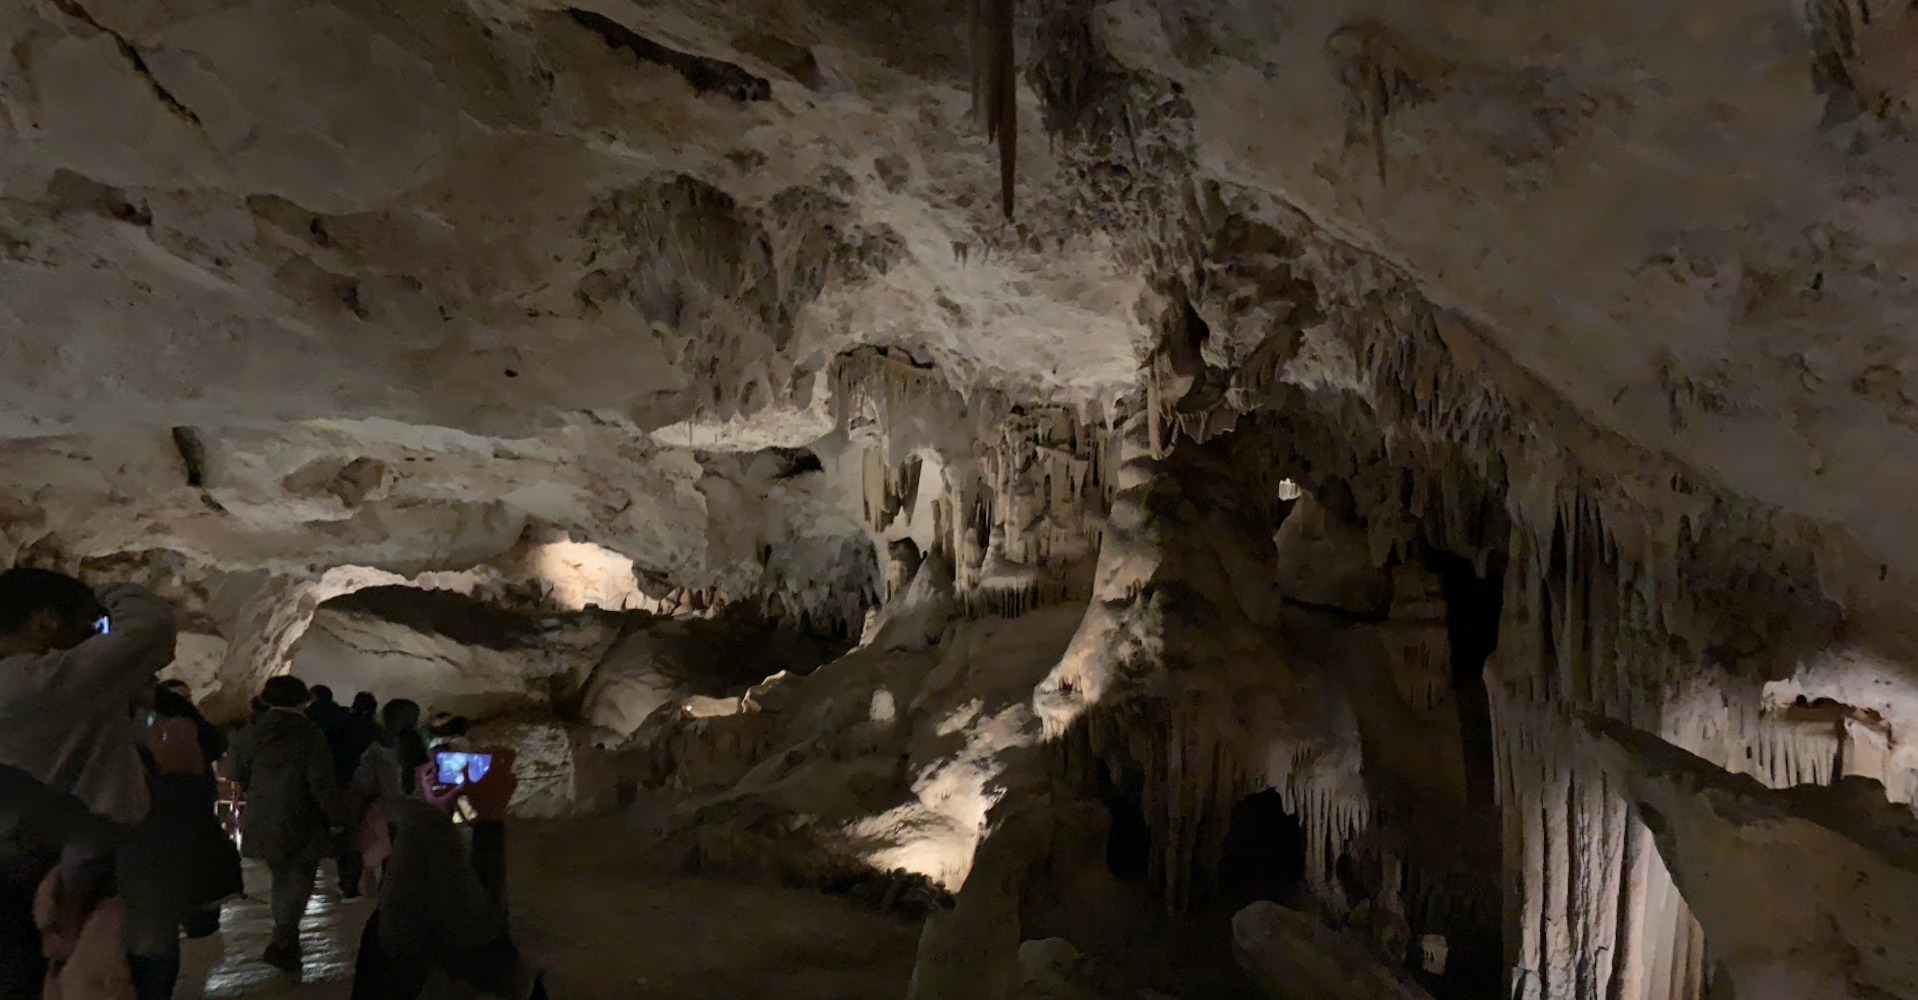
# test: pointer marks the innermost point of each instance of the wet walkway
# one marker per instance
(227, 966)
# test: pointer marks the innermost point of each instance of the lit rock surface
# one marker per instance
(1357, 396)
(1846, 856)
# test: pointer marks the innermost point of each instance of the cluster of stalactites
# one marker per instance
(1193, 778)
(835, 615)
(1013, 597)
(890, 492)
(1053, 477)
(1591, 909)
(1324, 788)
(1015, 512)
(690, 602)
(1624, 573)
(878, 397)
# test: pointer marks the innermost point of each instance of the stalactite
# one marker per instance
(1595, 913)
(1325, 791)
(1013, 598)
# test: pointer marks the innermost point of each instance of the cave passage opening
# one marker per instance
(1264, 853)
(1474, 603)
(1129, 841)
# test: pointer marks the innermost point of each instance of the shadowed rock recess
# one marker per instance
(1144, 498)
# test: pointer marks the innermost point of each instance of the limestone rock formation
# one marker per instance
(1845, 858)
(912, 450)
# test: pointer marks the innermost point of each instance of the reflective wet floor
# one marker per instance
(227, 965)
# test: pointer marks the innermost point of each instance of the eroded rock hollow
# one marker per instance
(1101, 498)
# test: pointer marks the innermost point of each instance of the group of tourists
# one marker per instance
(111, 842)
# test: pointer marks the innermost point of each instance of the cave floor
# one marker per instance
(227, 966)
(603, 924)
(594, 910)
(606, 917)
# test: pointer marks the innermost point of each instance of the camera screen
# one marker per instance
(459, 768)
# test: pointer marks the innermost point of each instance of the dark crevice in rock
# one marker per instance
(1264, 854)
(73, 192)
(799, 461)
(134, 59)
(1474, 604)
(707, 76)
(192, 451)
(1129, 839)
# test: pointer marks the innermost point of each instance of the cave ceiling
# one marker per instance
(1669, 239)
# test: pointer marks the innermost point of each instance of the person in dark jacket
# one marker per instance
(38, 826)
(361, 730)
(293, 807)
(327, 713)
(442, 908)
(179, 865)
(343, 738)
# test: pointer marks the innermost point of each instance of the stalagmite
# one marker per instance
(1297, 527)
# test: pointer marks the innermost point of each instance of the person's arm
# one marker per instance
(366, 780)
(138, 647)
(320, 781)
(213, 740)
(490, 797)
(240, 769)
(489, 858)
(52, 818)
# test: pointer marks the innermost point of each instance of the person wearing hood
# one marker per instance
(294, 810)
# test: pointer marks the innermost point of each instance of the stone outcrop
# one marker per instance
(1343, 402)
(1804, 891)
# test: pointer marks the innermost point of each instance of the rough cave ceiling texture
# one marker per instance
(1582, 321)
(1687, 226)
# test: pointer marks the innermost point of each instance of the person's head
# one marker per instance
(179, 687)
(41, 610)
(285, 691)
(399, 716)
(365, 704)
(322, 695)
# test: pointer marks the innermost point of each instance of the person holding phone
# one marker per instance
(442, 907)
(73, 665)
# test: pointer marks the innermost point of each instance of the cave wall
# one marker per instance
(1588, 311)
